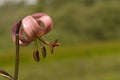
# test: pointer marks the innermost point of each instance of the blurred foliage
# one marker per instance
(75, 21)
(87, 20)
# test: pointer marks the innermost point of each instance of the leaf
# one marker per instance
(36, 55)
(6, 74)
(43, 50)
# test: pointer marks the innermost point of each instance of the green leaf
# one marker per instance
(6, 74)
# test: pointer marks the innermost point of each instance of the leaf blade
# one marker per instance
(6, 74)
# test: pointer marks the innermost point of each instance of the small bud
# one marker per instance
(43, 50)
(36, 55)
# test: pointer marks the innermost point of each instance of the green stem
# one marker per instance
(17, 52)
(17, 58)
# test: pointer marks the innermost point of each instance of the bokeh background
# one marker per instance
(88, 32)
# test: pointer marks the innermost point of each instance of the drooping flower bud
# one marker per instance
(31, 28)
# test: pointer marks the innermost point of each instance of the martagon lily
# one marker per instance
(31, 29)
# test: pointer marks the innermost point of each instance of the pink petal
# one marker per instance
(32, 28)
(45, 19)
(14, 35)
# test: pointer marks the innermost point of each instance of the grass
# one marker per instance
(92, 61)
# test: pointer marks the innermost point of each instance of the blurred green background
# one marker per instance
(88, 32)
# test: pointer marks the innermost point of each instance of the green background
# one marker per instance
(89, 36)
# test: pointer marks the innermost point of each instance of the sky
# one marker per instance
(2, 2)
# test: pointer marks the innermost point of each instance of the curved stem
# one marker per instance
(17, 52)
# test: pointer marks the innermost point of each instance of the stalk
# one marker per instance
(17, 52)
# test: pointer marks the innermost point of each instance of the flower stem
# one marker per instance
(17, 58)
(17, 52)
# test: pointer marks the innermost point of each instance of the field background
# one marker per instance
(89, 36)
